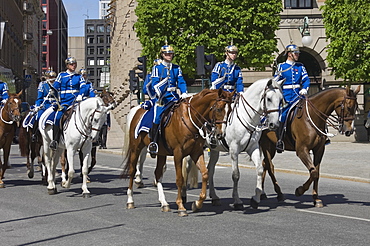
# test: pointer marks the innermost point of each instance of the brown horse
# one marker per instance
(183, 135)
(307, 131)
(10, 115)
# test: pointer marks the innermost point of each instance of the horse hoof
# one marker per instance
(263, 196)
(52, 191)
(130, 205)
(238, 207)
(194, 207)
(216, 202)
(254, 204)
(182, 213)
(86, 195)
(318, 204)
(30, 174)
(299, 191)
(280, 197)
(139, 185)
(165, 208)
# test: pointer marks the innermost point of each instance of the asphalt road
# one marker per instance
(29, 216)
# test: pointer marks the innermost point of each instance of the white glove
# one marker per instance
(3, 101)
(303, 92)
(79, 98)
(184, 95)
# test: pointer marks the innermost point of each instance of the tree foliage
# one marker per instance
(347, 25)
(250, 24)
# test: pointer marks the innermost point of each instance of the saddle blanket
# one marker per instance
(47, 118)
(145, 123)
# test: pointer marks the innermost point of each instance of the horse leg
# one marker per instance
(158, 172)
(303, 154)
(86, 155)
(64, 163)
(132, 159)
(197, 205)
(257, 160)
(238, 204)
(179, 183)
(71, 170)
(2, 171)
(50, 170)
(93, 159)
(186, 162)
(214, 155)
(139, 169)
(318, 154)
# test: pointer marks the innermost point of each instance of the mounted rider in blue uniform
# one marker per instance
(166, 79)
(227, 75)
(295, 86)
(90, 91)
(149, 90)
(3, 92)
(71, 87)
(46, 96)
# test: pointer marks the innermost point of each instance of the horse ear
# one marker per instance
(20, 93)
(269, 82)
(220, 90)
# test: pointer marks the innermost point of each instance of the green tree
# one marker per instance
(249, 24)
(347, 25)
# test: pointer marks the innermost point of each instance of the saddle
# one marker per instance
(294, 111)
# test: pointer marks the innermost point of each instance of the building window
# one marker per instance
(90, 29)
(90, 72)
(91, 62)
(298, 4)
(90, 40)
(108, 39)
(108, 28)
(100, 29)
(100, 39)
(44, 40)
(44, 48)
(108, 50)
(43, 1)
(100, 61)
(90, 50)
(100, 50)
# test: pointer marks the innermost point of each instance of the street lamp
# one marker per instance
(305, 32)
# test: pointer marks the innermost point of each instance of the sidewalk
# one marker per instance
(343, 158)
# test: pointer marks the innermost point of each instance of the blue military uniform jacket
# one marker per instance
(44, 99)
(296, 79)
(89, 90)
(69, 85)
(166, 78)
(3, 91)
(227, 76)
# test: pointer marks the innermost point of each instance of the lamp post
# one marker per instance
(305, 32)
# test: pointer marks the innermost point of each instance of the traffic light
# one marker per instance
(211, 59)
(142, 67)
(134, 85)
(199, 51)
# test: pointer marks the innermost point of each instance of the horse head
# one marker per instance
(272, 98)
(220, 111)
(12, 109)
(108, 99)
(346, 111)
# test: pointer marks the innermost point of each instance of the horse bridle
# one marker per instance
(208, 125)
(87, 130)
(262, 115)
(331, 119)
(10, 114)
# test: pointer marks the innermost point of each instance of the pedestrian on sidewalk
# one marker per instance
(104, 132)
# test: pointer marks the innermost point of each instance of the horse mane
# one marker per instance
(319, 93)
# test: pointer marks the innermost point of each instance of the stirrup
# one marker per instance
(34, 138)
(153, 149)
(279, 146)
(54, 145)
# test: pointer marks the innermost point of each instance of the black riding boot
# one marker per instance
(153, 146)
(56, 136)
(35, 130)
(280, 135)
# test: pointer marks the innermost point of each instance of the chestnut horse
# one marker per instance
(308, 131)
(10, 115)
(183, 135)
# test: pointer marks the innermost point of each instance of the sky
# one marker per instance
(78, 11)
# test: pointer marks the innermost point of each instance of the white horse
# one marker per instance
(78, 132)
(256, 108)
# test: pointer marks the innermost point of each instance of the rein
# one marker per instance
(9, 112)
(86, 129)
(332, 120)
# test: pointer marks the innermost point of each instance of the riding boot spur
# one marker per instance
(56, 136)
(280, 134)
(153, 146)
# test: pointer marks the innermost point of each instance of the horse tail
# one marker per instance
(126, 138)
(190, 172)
(23, 141)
